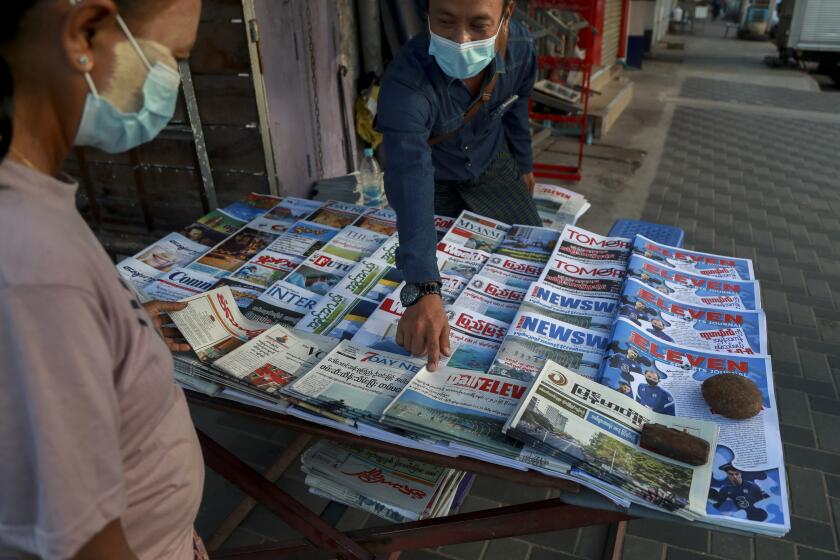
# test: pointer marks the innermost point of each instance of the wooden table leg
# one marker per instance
(615, 541)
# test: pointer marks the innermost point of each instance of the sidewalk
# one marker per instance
(747, 161)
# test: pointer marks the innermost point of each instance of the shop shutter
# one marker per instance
(612, 32)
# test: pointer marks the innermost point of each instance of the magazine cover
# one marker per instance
(338, 314)
(378, 220)
(244, 294)
(251, 206)
(457, 405)
(211, 229)
(598, 432)
(291, 210)
(604, 281)
(707, 328)
(558, 206)
(354, 243)
(473, 338)
(694, 262)
(266, 268)
(303, 238)
(596, 313)
(379, 332)
(212, 324)
(137, 273)
(354, 382)
(529, 243)
(513, 272)
(488, 297)
(233, 252)
(178, 284)
(337, 214)
(172, 251)
(282, 303)
(442, 225)
(275, 358)
(476, 232)
(748, 488)
(695, 289)
(387, 252)
(372, 279)
(320, 272)
(591, 248)
(534, 338)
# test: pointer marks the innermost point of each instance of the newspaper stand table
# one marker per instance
(320, 539)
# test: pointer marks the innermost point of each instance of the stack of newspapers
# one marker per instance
(390, 487)
(293, 305)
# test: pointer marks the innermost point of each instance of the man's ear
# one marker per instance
(82, 22)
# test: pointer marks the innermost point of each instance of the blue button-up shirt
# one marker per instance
(418, 101)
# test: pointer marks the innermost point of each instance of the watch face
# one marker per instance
(409, 294)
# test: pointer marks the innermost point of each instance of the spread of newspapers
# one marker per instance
(565, 343)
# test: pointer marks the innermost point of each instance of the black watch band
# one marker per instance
(412, 293)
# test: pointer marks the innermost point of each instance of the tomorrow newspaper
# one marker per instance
(597, 431)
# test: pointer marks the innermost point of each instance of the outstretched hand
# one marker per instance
(424, 330)
(158, 311)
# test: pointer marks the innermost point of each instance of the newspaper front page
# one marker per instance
(584, 279)
(338, 314)
(584, 246)
(533, 338)
(707, 328)
(213, 325)
(379, 332)
(748, 488)
(598, 432)
(170, 252)
(517, 273)
(282, 303)
(179, 283)
(372, 279)
(354, 382)
(476, 232)
(233, 252)
(320, 272)
(244, 294)
(473, 338)
(590, 312)
(354, 243)
(460, 261)
(378, 220)
(303, 238)
(138, 274)
(694, 262)
(529, 243)
(558, 206)
(387, 252)
(695, 289)
(266, 268)
(337, 214)
(291, 210)
(488, 297)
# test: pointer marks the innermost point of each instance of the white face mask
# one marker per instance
(105, 127)
(463, 60)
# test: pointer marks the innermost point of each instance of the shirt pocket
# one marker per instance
(447, 124)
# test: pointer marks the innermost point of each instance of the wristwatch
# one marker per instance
(411, 293)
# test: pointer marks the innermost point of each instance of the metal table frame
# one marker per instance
(319, 539)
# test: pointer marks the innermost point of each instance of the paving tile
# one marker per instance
(829, 330)
(671, 533)
(807, 494)
(773, 549)
(558, 540)
(832, 483)
(421, 555)
(793, 407)
(680, 554)
(813, 554)
(827, 428)
(814, 365)
(466, 551)
(506, 549)
(798, 436)
(727, 545)
(811, 533)
(591, 543)
(805, 385)
(637, 548)
(812, 458)
(546, 554)
(824, 405)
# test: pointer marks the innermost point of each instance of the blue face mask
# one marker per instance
(463, 60)
(107, 128)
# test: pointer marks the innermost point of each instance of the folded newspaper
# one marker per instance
(585, 246)
(489, 297)
(558, 206)
(597, 431)
(584, 279)
(591, 312)
(476, 232)
(694, 262)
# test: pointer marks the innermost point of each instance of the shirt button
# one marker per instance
(466, 148)
(469, 164)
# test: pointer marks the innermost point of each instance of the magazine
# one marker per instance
(233, 252)
(707, 328)
(529, 243)
(212, 229)
(596, 313)
(488, 297)
(461, 406)
(303, 238)
(172, 251)
(510, 271)
(320, 272)
(338, 314)
(591, 248)
(178, 284)
(290, 211)
(274, 359)
(533, 338)
(476, 232)
(244, 294)
(473, 338)
(558, 206)
(379, 332)
(354, 243)
(748, 488)
(219, 220)
(694, 262)
(442, 225)
(387, 252)
(583, 279)
(337, 214)
(354, 382)
(598, 432)
(694, 289)
(138, 274)
(251, 206)
(371, 279)
(378, 220)
(282, 303)
(213, 325)
(266, 268)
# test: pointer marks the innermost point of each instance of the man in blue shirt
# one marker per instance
(654, 397)
(453, 111)
(743, 493)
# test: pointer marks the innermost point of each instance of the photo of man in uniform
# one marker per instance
(653, 396)
(657, 329)
(743, 493)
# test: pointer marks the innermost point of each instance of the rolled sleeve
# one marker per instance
(404, 118)
(517, 127)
